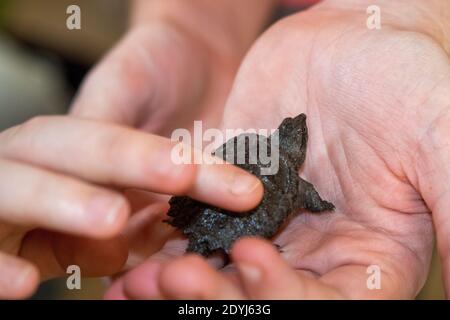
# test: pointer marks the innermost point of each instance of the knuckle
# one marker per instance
(6, 137)
(119, 150)
(35, 123)
(125, 153)
(30, 127)
(186, 177)
(12, 140)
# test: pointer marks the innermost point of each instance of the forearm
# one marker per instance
(224, 24)
(431, 17)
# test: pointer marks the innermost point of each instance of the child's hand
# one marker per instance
(65, 176)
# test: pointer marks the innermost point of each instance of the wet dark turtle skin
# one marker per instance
(210, 229)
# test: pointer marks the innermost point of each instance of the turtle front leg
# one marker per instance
(311, 199)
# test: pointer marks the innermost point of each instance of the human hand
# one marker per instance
(175, 65)
(61, 200)
(378, 107)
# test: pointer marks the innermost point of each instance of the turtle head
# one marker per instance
(293, 138)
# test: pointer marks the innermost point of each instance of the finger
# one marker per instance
(265, 275)
(146, 233)
(136, 288)
(115, 291)
(142, 281)
(32, 197)
(141, 73)
(54, 253)
(433, 168)
(109, 154)
(18, 278)
(191, 277)
(139, 199)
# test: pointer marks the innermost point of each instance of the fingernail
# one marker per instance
(244, 184)
(105, 209)
(249, 273)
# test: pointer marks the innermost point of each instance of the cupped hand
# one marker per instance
(378, 108)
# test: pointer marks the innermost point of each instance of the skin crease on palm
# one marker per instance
(378, 113)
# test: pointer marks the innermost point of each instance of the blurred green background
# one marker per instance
(41, 66)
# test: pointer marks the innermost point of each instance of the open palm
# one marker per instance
(378, 115)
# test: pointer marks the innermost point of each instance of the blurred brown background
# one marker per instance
(41, 66)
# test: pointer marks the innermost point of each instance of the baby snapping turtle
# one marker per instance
(210, 228)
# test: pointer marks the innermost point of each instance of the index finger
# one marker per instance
(113, 155)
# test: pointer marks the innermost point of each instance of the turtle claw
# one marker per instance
(278, 247)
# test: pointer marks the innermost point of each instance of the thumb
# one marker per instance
(265, 275)
(434, 184)
(152, 70)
